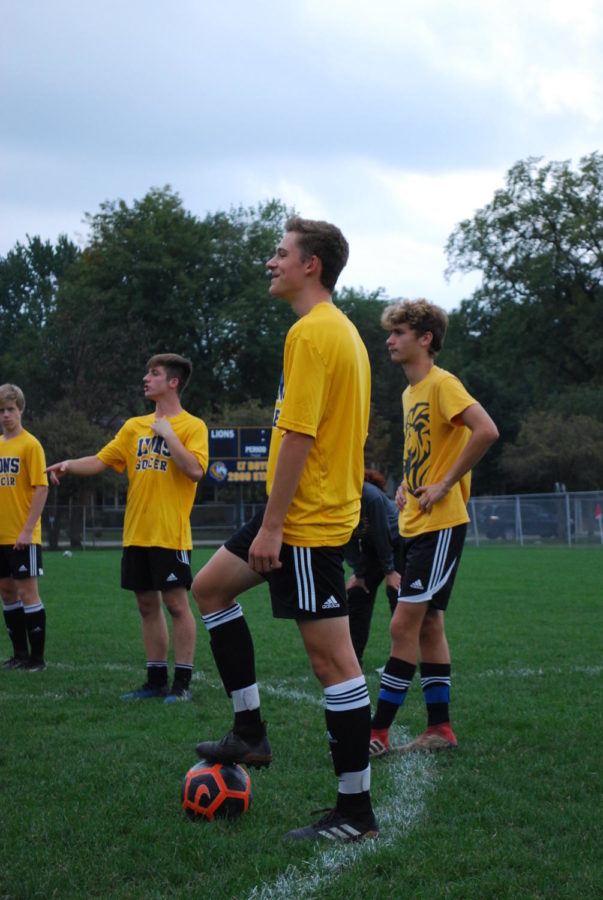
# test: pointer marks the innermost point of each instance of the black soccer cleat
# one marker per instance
(337, 826)
(146, 692)
(34, 664)
(233, 748)
(16, 662)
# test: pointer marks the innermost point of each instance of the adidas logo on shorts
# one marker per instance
(418, 585)
(330, 603)
(172, 577)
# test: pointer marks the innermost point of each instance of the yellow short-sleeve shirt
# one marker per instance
(160, 496)
(22, 465)
(325, 393)
(432, 443)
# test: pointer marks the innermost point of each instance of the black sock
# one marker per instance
(232, 648)
(395, 682)
(182, 675)
(35, 623)
(435, 681)
(348, 717)
(14, 617)
(157, 673)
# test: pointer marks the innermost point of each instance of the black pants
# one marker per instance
(361, 603)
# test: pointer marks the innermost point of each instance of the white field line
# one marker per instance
(540, 672)
(406, 777)
(211, 680)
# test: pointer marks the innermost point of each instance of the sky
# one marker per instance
(395, 119)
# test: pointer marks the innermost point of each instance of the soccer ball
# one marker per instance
(215, 791)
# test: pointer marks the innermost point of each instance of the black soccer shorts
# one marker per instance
(155, 569)
(310, 583)
(430, 562)
(23, 563)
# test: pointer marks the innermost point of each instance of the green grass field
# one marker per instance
(90, 784)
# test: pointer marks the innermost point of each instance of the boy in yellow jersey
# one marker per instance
(315, 474)
(165, 454)
(446, 432)
(23, 492)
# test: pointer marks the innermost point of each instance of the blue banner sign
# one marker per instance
(238, 455)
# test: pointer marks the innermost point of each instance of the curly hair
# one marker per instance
(422, 316)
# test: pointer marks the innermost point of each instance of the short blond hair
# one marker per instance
(10, 393)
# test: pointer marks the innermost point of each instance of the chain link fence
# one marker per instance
(562, 518)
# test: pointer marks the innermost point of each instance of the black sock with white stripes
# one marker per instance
(232, 648)
(348, 717)
(395, 682)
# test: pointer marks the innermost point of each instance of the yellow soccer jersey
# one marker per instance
(432, 443)
(324, 392)
(22, 465)
(160, 496)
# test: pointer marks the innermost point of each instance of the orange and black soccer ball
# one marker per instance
(215, 791)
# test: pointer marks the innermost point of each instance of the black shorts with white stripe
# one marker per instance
(309, 585)
(430, 562)
(155, 569)
(23, 563)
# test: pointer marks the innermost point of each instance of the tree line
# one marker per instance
(78, 324)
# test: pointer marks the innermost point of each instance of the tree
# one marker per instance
(30, 275)
(554, 449)
(155, 278)
(535, 319)
(529, 339)
(66, 433)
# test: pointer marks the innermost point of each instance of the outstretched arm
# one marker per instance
(85, 465)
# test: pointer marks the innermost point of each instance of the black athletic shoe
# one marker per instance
(178, 694)
(337, 826)
(34, 665)
(16, 662)
(233, 748)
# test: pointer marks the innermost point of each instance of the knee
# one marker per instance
(8, 592)
(178, 608)
(149, 605)
(397, 627)
(201, 593)
(320, 668)
(27, 590)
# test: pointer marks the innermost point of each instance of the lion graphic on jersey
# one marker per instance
(417, 446)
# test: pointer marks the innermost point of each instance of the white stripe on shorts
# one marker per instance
(436, 579)
(306, 594)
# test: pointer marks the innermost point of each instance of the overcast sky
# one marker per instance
(395, 119)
